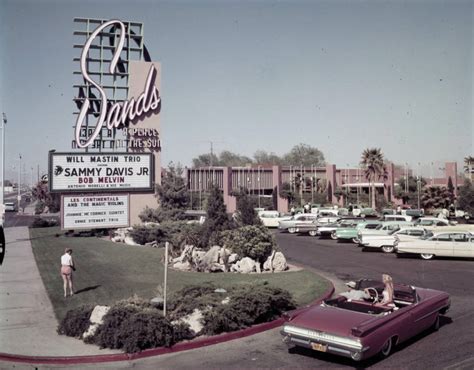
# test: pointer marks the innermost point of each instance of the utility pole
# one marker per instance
(19, 184)
(2, 193)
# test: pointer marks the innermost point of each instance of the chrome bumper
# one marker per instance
(356, 354)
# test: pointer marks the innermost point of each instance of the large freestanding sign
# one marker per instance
(94, 211)
(88, 172)
(117, 128)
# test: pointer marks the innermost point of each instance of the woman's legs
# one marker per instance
(69, 278)
(65, 279)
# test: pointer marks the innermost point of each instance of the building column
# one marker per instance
(389, 183)
(331, 182)
(282, 203)
(229, 200)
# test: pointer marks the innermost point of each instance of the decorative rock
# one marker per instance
(233, 258)
(151, 224)
(96, 319)
(220, 290)
(157, 302)
(182, 266)
(129, 241)
(246, 265)
(197, 256)
(226, 300)
(279, 262)
(211, 257)
(268, 264)
(194, 320)
(152, 244)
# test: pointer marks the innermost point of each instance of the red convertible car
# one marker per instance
(360, 329)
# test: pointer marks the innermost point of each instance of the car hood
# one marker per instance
(330, 320)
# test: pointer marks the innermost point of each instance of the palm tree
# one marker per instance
(468, 164)
(374, 168)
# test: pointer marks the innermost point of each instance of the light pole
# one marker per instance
(19, 184)
(2, 193)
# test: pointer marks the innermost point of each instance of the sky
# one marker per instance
(259, 75)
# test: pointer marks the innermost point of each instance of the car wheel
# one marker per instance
(436, 323)
(387, 348)
(292, 230)
(333, 236)
(312, 232)
(355, 240)
(387, 248)
(427, 256)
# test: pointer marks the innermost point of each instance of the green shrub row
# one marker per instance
(134, 325)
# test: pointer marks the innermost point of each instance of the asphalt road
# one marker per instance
(449, 348)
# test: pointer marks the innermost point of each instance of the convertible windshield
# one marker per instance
(379, 227)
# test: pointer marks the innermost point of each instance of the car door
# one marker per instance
(2, 245)
(444, 245)
(462, 245)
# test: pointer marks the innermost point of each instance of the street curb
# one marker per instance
(94, 359)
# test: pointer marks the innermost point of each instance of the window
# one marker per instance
(443, 238)
(403, 232)
(416, 232)
(440, 223)
(460, 238)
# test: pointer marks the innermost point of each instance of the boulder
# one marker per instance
(182, 266)
(96, 319)
(279, 262)
(245, 266)
(233, 258)
(268, 264)
(152, 244)
(194, 320)
(197, 256)
(129, 241)
(211, 257)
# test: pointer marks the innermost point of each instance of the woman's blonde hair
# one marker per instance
(387, 278)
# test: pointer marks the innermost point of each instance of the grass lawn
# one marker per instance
(107, 272)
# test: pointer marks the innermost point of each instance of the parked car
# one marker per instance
(290, 223)
(384, 228)
(360, 211)
(312, 228)
(397, 218)
(330, 229)
(433, 222)
(442, 244)
(10, 206)
(359, 329)
(271, 218)
(351, 233)
(387, 242)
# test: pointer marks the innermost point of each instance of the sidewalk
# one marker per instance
(27, 322)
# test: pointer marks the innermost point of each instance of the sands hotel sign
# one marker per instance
(116, 140)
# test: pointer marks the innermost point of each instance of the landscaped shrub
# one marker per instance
(41, 222)
(143, 330)
(134, 325)
(109, 334)
(76, 322)
(193, 297)
(178, 233)
(249, 305)
(39, 207)
(255, 242)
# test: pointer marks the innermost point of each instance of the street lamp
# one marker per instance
(19, 184)
(2, 193)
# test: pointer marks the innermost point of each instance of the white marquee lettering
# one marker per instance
(121, 112)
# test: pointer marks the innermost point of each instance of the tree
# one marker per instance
(206, 160)
(411, 196)
(465, 199)
(264, 158)
(173, 197)
(303, 155)
(436, 197)
(374, 168)
(217, 219)
(45, 198)
(246, 209)
(468, 164)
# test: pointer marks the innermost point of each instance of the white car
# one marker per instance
(397, 218)
(387, 242)
(442, 244)
(290, 224)
(10, 207)
(271, 218)
(384, 228)
(433, 222)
